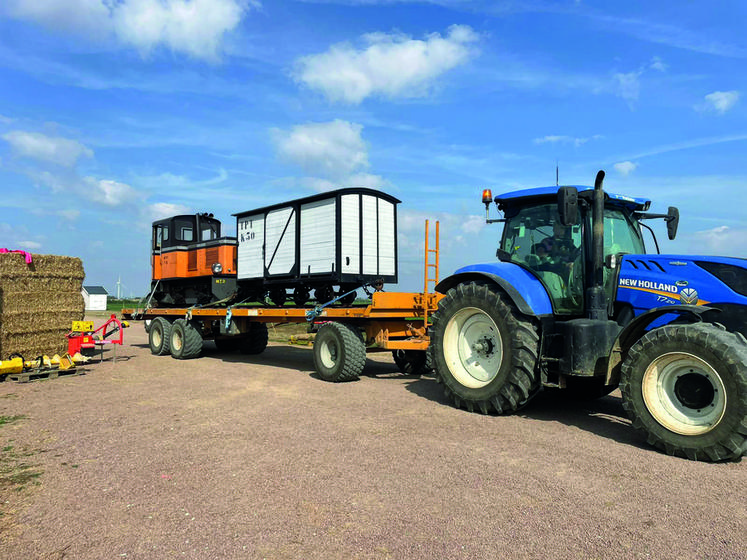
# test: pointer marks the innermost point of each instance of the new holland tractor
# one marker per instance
(575, 302)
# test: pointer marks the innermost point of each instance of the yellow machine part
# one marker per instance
(14, 365)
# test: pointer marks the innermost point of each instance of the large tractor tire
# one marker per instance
(412, 362)
(339, 352)
(159, 336)
(255, 340)
(186, 340)
(483, 351)
(685, 388)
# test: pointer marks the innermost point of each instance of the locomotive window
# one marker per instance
(184, 230)
(209, 231)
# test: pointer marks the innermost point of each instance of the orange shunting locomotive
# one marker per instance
(192, 263)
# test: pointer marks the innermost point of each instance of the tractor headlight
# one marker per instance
(217, 268)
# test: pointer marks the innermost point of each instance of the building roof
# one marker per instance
(96, 290)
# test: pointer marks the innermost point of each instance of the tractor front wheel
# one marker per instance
(685, 388)
(483, 350)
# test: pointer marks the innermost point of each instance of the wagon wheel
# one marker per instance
(301, 295)
(323, 294)
(278, 296)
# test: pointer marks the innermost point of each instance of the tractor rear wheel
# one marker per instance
(483, 350)
(186, 340)
(255, 340)
(159, 336)
(339, 352)
(412, 362)
(685, 388)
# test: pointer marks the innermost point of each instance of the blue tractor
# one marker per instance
(574, 302)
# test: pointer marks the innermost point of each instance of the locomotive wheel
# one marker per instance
(159, 336)
(278, 296)
(339, 352)
(685, 388)
(348, 299)
(412, 362)
(323, 294)
(186, 340)
(483, 350)
(255, 340)
(301, 295)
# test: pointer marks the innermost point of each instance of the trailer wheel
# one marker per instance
(159, 336)
(483, 351)
(186, 340)
(255, 340)
(339, 352)
(412, 362)
(685, 388)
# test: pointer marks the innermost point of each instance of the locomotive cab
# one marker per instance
(192, 263)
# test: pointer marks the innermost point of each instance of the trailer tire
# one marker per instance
(255, 340)
(483, 351)
(685, 388)
(413, 362)
(339, 352)
(186, 340)
(159, 336)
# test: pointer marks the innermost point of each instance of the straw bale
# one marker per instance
(38, 303)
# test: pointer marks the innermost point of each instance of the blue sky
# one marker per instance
(114, 113)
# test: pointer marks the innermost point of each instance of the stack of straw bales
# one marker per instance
(38, 303)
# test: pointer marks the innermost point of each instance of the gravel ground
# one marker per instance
(230, 456)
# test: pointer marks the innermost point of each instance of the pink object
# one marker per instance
(26, 255)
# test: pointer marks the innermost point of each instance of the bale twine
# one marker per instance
(38, 303)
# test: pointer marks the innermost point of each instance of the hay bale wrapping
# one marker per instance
(38, 303)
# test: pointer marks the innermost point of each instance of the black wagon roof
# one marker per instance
(321, 196)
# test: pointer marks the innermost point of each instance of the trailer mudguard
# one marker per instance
(525, 290)
(638, 327)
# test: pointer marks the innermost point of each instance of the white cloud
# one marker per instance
(161, 210)
(30, 245)
(53, 149)
(658, 64)
(194, 27)
(625, 167)
(71, 215)
(721, 240)
(110, 193)
(333, 149)
(720, 101)
(391, 65)
(628, 85)
(559, 139)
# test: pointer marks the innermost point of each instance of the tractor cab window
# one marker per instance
(621, 235)
(535, 238)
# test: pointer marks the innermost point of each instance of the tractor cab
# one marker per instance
(558, 249)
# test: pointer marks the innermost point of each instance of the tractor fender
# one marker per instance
(637, 328)
(525, 290)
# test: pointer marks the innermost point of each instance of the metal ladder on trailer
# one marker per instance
(428, 266)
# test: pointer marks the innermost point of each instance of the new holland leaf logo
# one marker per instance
(689, 296)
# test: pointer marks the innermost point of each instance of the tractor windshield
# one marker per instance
(535, 238)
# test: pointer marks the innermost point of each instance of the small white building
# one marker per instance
(95, 298)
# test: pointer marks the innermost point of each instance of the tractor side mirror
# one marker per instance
(568, 205)
(673, 220)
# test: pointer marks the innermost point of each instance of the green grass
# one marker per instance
(15, 472)
(116, 305)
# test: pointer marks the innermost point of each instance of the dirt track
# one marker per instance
(235, 457)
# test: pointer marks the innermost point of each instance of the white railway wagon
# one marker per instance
(344, 238)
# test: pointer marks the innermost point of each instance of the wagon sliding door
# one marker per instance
(280, 242)
(318, 237)
(379, 255)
